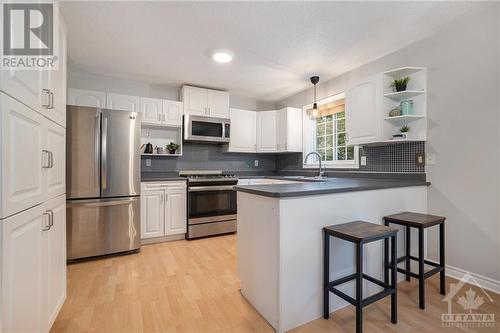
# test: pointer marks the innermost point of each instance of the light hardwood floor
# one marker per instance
(192, 286)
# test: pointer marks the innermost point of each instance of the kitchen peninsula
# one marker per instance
(280, 240)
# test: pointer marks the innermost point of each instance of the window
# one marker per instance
(325, 132)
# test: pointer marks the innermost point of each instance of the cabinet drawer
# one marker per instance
(162, 185)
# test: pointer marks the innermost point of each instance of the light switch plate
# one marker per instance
(430, 158)
(420, 159)
(256, 163)
(148, 162)
(363, 160)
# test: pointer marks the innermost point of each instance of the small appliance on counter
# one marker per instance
(211, 203)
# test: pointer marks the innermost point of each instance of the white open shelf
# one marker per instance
(161, 136)
(403, 95)
(166, 155)
(404, 118)
(392, 141)
(403, 71)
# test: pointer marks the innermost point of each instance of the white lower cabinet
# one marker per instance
(33, 267)
(163, 209)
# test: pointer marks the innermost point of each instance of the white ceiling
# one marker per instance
(277, 45)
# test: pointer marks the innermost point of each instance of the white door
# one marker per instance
(195, 101)
(90, 98)
(293, 130)
(243, 131)
(175, 212)
(151, 110)
(267, 128)
(152, 213)
(218, 103)
(172, 113)
(122, 102)
(57, 78)
(55, 175)
(25, 86)
(22, 296)
(362, 109)
(54, 260)
(22, 157)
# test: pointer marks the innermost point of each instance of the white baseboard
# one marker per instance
(485, 282)
(147, 241)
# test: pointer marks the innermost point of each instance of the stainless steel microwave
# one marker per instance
(207, 129)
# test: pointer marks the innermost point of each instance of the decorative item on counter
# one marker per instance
(406, 107)
(159, 150)
(149, 148)
(403, 133)
(172, 147)
(400, 84)
(396, 112)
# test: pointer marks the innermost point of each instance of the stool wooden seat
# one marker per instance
(360, 233)
(421, 222)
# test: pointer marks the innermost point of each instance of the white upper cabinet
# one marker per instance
(122, 102)
(218, 103)
(151, 110)
(243, 131)
(55, 174)
(205, 102)
(289, 130)
(267, 131)
(363, 110)
(90, 98)
(172, 113)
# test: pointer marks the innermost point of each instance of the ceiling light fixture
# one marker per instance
(222, 56)
(314, 81)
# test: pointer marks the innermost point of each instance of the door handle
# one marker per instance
(104, 161)
(51, 100)
(51, 159)
(50, 216)
(46, 152)
(46, 93)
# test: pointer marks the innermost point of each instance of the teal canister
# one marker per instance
(406, 107)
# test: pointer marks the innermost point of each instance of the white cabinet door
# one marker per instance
(266, 131)
(22, 296)
(282, 129)
(151, 110)
(53, 260)
(243, 131)
(122, 102)
(172, 113)
(25, 86)
(21, 150)
(152, 213)
(195, 101)
(55, 175)
(362, 109)
(90, 98)
(291, 139)
(218, 103)
(175, 213)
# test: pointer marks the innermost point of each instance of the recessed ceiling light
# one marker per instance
(222, 56)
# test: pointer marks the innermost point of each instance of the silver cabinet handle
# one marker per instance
(46, 152)
(46, 95)
(51, 100)
(46, 228)
(51, 159)
(50, 215)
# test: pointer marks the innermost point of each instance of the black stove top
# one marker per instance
(210, 177)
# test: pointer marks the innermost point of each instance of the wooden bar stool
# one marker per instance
(421, 222)
(360, 233)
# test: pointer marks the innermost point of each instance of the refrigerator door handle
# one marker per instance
(96, 148)
(104, 161)
(102, 202)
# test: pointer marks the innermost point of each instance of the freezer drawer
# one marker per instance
(102, 226)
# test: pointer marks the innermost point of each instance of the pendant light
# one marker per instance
(314, 113)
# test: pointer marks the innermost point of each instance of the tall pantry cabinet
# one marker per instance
(33, 193)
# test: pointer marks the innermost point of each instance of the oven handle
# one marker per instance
(210, 188)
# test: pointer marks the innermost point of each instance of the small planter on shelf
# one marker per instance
(403, 133)
(400, 84)
(172, 148)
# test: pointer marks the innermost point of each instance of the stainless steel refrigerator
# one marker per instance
(103, 181)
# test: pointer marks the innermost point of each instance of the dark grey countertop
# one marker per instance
(332, 185)
(160, 176)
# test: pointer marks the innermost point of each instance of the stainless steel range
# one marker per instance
(211, 203)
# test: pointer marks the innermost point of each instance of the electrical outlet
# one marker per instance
(430, 158)
(363, 160)
(256, 163)
(420, 159)
(148, 162)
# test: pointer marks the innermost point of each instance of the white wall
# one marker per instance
(83, 80)
(464, 124)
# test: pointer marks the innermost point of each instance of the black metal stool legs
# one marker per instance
(359, 288)
(394, 281)
(408, 252)
(326, 276)
(421, 269)
(442, 279)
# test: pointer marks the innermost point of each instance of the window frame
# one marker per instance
(309, 139)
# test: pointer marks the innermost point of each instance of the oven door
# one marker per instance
(199, 128)
(211, 204)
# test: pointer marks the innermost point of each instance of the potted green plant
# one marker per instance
(404, 131)
(172, 147)
(400, 84)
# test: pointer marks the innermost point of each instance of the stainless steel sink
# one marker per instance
(308, 178)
